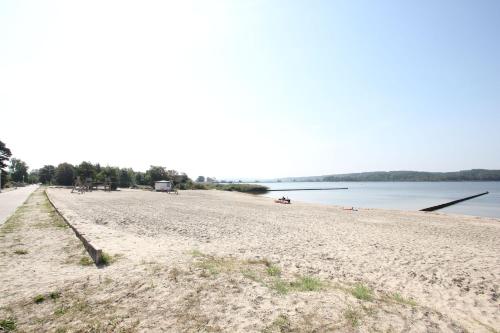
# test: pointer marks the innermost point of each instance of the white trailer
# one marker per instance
(163, 186)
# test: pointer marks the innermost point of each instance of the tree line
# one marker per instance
(65, 173)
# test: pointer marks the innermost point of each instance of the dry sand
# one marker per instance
(218, 261)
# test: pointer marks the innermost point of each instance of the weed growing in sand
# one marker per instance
(307, 283)
(54, 295)
(353, 316)
(39, 299)
(280, 286)
(280, 324)
(60, 311)
(86, 261)
(106, 259)
(173, 274)
(21, 252)
(249, 274)
(273, 270)
(362, 292)
(7, 325)
(402, 300)
(196, 253)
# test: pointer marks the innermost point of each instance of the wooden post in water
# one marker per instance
(433, 208)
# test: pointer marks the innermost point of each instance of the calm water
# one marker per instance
(399, 195)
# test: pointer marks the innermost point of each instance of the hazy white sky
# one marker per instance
(252, 88)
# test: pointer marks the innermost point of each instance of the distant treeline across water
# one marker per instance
(404, 176)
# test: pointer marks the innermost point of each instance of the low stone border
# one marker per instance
(95, 253)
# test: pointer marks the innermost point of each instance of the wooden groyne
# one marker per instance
(433, 208)
(309, 189)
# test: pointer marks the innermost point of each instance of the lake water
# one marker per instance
(399, 195)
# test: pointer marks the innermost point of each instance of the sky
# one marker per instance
(252, 89)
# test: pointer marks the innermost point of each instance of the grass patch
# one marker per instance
(273, 270)
(280, 324)
(60, 311)
(86, 261)
(280, 286)
(39, 299)
(402, 300)
(353, 316)
(54, 295)
(307, 283)
(8, 324)
(196, 253)
(249, 274)
(21, 252)
(362, 292)
(106, 259)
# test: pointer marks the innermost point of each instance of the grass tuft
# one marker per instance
(54, 295)
(402, 300)
(8, 324)
(21, 252)
(362, 292)
(280, 324)
(106, 259)
(307, 283)
(196, 253)
(280, 287)
(39, 299)
(353, 316)
(273, 270)
(86, 261)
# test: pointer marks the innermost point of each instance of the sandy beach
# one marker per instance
(206, 261)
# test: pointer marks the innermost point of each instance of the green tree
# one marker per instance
(111, 173)
(33, 176)
(200, 179)
(18, 170)
(140, 178)
(46, 174)
(127, 177)
(156, 173)
(86, 170)
(65, 173)
(5, 155)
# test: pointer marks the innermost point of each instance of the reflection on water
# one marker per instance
(399, 195)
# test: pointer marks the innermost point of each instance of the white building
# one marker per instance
(163, 185)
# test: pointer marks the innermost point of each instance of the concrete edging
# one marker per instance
(95, 253)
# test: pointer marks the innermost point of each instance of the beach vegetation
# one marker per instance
(8, 324)
(279, 325)
(252, 275)
(307, 283)
(21, 252)
(60, 310)
(106, 259)
(403, 300)
(54, 295)
(353, 316)
(39, 299)
(86, 261)
(280, 286)
(362, 292)
(273, 270)
(196, 253)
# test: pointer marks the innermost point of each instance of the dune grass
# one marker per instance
(362, 292)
